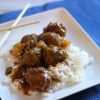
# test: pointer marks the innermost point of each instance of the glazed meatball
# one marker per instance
(57, 28)
(29, 40)
(53, 55)
(38, 79)
(51, 38)
(32, 57)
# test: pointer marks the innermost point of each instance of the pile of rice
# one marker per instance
(70, 73)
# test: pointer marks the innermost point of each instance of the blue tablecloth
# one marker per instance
(87, 13)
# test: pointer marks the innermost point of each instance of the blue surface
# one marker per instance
(87, 13)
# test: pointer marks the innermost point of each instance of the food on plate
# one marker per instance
(32, 57)
(29, 40)
(53, 55)
(51, 38)
(46, 62)
(55, 27)
(18, 49)
(38, 78)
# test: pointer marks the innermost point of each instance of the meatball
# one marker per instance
(32, 57)
(51, 38)
(29, 40)
(53, 55)
(55, 27)
(38, 79)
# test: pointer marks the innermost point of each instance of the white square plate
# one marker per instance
(74, 33)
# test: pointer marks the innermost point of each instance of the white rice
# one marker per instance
(70, 73)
